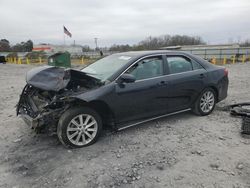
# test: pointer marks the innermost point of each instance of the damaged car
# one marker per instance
(119, 91)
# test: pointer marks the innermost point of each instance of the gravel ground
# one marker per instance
(179, 151)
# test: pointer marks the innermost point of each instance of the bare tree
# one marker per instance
(246, 43)
(152, 43)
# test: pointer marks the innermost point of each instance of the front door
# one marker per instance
(142, 98)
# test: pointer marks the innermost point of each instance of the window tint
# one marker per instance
(147, 68)
(178, 64)
(196, 65)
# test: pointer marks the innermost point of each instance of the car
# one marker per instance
(2, 60)
(119, 91)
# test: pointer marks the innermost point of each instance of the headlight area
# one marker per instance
(40, 109)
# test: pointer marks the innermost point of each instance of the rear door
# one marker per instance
(142, 98)
(186, 79)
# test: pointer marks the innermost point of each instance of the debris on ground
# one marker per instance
(243, 110)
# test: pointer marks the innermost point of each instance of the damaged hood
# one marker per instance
(51, 78)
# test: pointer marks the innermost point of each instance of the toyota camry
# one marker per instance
(119, 91)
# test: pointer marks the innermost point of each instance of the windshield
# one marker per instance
(107, 66)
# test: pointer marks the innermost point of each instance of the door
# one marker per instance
(186, 79)
(142, 98)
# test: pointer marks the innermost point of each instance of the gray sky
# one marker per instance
(123, 21)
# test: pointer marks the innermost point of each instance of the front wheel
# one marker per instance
(205, 103)
(79, 127)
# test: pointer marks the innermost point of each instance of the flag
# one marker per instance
(66, 31)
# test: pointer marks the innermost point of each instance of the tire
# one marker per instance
(79, 127)
(245, 128)
(205, 103)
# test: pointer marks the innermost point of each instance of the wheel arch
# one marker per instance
(101, 107)
(196, 105)
(215, 90)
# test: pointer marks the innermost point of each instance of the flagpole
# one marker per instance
(63, 37)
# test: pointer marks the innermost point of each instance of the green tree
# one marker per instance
(23, 47)
(4, 45)
(28, 46)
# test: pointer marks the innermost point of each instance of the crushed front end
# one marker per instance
(49, 92)
(40, 108)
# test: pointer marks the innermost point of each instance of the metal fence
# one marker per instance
(41, 61)
(214, 55)
(221, 53)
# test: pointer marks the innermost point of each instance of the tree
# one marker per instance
(23, 47)
(153, 43)
(86, 48)
(17, 48)
(28, 46)
(4, 45)
(121, 48)
(246, 43)
(167, 40)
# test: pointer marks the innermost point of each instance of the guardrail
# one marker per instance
(84, 61)
(41, 60)
(231, 60)
(222, 55)
(24, 60)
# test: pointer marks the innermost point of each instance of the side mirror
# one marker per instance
(126, 78)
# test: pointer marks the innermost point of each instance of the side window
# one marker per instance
(147, 68)
(178, 64)
(196, 65)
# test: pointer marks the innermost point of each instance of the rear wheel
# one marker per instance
(205, 103)
(79, 127)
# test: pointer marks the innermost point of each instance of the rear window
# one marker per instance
(196, 65)
(179, 64)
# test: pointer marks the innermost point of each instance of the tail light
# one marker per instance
(225, 72)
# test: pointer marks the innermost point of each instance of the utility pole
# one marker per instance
(239, 39)
(96, 46)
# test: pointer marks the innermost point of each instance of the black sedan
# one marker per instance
(119, 91)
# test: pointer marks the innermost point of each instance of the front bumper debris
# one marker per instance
(38, 117)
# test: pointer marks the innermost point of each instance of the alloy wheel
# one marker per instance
(207, 101)
(82, 129)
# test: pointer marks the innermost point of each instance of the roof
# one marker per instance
(142, 53)
(138, 54)
(200, 47)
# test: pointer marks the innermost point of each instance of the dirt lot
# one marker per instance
(179, 151)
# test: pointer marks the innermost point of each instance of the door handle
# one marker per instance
(161, 83)
(201, 75)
